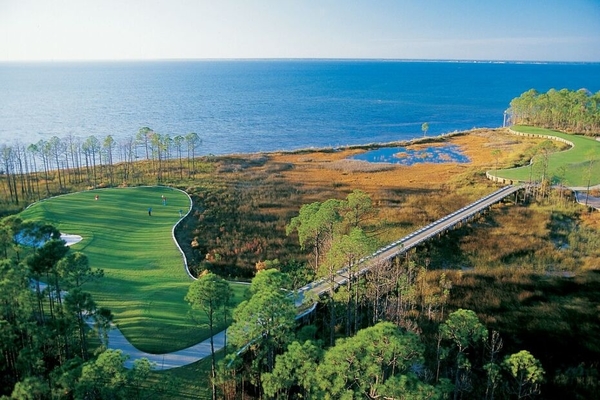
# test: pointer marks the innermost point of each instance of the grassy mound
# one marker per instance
(145, 280)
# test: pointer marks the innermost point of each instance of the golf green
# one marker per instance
(145, 280)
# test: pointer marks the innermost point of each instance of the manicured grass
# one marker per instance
(570, 167)
(145, 281)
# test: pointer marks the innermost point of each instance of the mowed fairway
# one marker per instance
(145, 280)
(575, 167)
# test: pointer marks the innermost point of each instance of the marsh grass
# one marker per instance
(356, 166)
(555, 318)
(240, 219)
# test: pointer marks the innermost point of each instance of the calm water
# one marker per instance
(247, 106)
(403, 156)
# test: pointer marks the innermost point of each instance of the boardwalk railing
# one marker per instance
(404, 244)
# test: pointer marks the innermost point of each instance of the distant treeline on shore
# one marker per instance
(576, 111)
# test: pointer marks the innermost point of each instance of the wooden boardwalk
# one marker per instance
(442, 225)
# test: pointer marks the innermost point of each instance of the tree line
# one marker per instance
(386, 334)
(38, 170)
(566, 110)
(270, 358)
(53, 335)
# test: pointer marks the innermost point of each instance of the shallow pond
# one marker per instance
(404, 156)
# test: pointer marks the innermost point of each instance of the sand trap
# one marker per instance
(70, 239)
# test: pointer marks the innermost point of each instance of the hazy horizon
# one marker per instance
(407, 60)
(438, 30)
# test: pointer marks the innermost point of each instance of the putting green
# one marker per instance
(571, 167)
(145, 280)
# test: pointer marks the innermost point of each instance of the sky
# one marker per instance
(520, 30)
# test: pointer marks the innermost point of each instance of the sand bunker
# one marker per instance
(70, 239)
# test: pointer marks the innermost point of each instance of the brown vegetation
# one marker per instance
(242, 204)
(553, 317)
(241, 211)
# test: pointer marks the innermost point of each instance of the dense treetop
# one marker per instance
(566, 110)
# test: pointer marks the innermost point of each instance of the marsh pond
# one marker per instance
(404, 156)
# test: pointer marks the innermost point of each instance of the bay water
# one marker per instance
(243, 106)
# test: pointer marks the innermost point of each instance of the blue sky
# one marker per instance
(528, 30)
